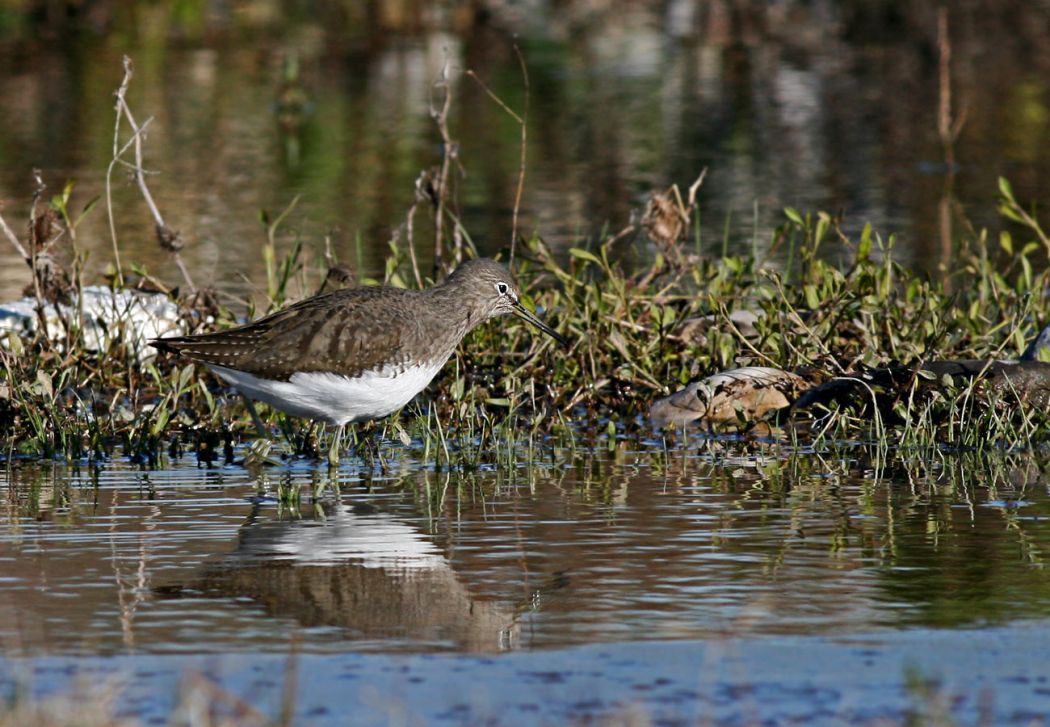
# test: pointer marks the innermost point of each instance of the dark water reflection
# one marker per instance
(826, 104)
(189, 560)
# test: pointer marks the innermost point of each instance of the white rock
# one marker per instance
(128, 316)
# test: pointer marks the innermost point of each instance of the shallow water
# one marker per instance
(189, 558)
(720, 549)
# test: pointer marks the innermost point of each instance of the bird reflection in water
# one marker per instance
(359, 568)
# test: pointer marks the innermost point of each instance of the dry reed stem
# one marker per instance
(946, 130)
(12, 238)
(523, 122)
(167, 237)
(29, 260)
(440, 117)
(695, 187)
(117, 151)
(37, 248)
(524, 148)
(410, 221)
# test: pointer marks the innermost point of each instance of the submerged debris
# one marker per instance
(1026, 382)
(732, 397)
(746, 395)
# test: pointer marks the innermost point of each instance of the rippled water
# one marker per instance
(731, 551)
(191, 559)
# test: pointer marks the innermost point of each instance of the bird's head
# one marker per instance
(490, 286)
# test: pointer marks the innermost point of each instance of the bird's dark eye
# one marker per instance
(502, 288)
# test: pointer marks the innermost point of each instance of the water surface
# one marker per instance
(192, 559)
(732, 553)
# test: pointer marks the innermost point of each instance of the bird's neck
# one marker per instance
(452, 304)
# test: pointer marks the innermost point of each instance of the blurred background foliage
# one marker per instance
(821, 104)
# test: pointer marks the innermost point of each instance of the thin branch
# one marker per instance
(121, 91)
(695, 187)
(522, 120)
(13, 239)
(410, 227)
(137, 170)
(37, 246)
(167, 237)
(521, 165)
(495, 98)
(440, 117)
(31, 262)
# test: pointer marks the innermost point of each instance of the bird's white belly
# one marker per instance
(334, 398)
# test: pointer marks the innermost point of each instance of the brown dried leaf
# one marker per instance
(664, 221)
(43, 229)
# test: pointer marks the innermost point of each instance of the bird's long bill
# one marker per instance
(526, 315)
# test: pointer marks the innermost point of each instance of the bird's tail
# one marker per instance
(223, 349)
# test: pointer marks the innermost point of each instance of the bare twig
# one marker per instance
(695, 187)
(13, 239)
(29, 259)
(448, 152)
(166, 236)
(496, 98)
(521, 164)
(523, 123)
(410, 219)
(37, 246)
(123, 89)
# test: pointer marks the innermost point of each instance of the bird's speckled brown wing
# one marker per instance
(344, 332)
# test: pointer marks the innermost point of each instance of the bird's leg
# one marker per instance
(255, 417)
(336, 446)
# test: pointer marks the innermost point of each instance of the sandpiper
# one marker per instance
(356, 354)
